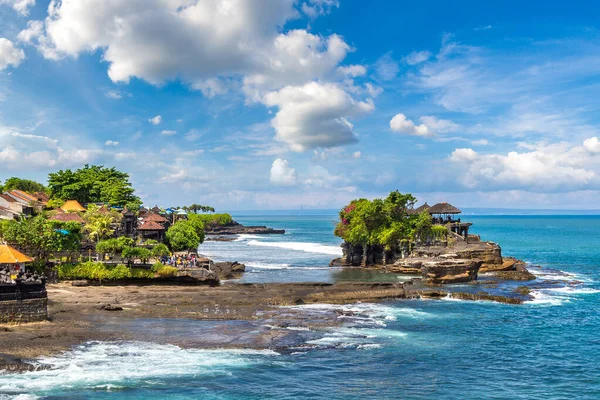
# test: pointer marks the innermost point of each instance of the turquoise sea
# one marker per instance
(548, 348)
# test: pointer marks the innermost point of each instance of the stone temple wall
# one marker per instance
(23, 302)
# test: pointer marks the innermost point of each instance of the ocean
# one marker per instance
(547, 348)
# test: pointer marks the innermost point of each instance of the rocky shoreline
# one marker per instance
(238, 229)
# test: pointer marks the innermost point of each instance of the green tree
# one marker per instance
(93, 184)
(25, 185)
(99, 228)
(160, 250)
(183, 236)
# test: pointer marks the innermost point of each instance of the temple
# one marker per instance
(445, 214)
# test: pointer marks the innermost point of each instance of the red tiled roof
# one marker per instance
(151, 226)
(8, 198)
(24, 195)
(155, 217)
(67, 217)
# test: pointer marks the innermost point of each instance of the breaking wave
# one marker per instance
(301, 246)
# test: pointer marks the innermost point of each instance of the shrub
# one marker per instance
(119, 272)
(212, 219)
(167, 271)
(156, 267)
(160, 250)
(151, 242)
(86, 270)
(141, 273)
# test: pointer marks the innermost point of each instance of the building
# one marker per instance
(72, 206)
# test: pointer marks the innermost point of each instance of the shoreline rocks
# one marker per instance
(239, 229)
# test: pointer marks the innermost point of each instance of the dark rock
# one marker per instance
(109, 307)
(229, 269)
(522, 290)
(522, 275)
(239, 229)
(486, 297)
(80, 283)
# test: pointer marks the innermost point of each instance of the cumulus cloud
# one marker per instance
(554, 167)
(156, 120)
(592, 145)
(195, 41)
(399, 123)
(430, 125)
(352, 70)
(315, 115)
(168, 133)
(20, 6)
(111, 143)
(9, 54)
(282, 174)
(357, 154)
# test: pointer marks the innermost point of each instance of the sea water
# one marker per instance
(548, 348)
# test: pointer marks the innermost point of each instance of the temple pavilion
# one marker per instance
(445, 214)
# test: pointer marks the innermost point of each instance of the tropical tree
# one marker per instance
(160, 250)
(25, 185)
(99, 227)
(182, 236)
(93, 184)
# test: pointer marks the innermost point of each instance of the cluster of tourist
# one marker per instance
(186, 261)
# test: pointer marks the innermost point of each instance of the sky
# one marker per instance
(282, 104)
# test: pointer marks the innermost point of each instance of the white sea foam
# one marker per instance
(245, 236)
(106, 365)
(556, 275)
(262, 265)
(541, 298)
(574, 290)
(306, 247)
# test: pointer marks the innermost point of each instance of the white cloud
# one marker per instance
(9, 54)
(464, 155)
(417, 57)
(352, 70)
(357, 154)
(592, 145)
(314, 8)
(156, 120)
(439, 125)
(480, 142)
(399, 123)
(386, 67)
(168, 133)
(315, 115)
(111, 143)
(554, 167)
(373, 91)
(20, 6)
(198, 42)
(282, 174)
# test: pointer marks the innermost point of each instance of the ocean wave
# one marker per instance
(557, 275)
(245, 236)
(100, 365)
(574, 290)
(306, 247)
(261, 265)
(541, 298)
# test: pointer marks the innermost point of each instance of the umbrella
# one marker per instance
(9, 255)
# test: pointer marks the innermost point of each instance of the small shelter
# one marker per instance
(152, 230)
(72, 206)
(445, 213)
(421, 209)
(13, 257)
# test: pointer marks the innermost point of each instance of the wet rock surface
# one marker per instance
(239, 229)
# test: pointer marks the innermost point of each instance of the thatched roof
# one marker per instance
(72, 206)
(10, 255)
(151, 226)
(443, 208)
(67, 217)
(422, 208)
(155, 217)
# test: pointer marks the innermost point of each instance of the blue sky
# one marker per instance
(280, 104)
